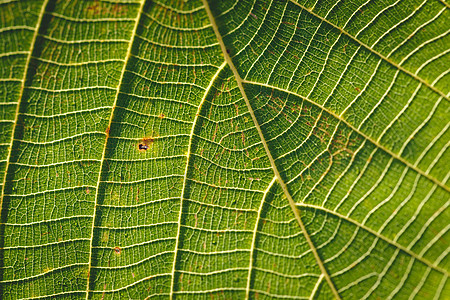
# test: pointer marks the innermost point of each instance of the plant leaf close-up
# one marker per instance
(240, 149)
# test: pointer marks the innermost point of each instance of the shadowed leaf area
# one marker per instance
(224, 149)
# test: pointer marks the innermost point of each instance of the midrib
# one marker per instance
(269, 154)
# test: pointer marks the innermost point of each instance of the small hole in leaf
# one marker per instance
(143, 147)
(117, 250)
(228, 51)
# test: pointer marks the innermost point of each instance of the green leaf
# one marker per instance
(230, 149)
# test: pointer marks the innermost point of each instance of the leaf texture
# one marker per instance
(224, 149)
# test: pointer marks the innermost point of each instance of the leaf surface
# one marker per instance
(246, 149)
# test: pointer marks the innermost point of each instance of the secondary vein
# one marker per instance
(423, 81)
(283, 185)
(99, 179)
(22, 87)
(183, 190)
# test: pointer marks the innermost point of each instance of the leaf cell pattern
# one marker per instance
(230, 149)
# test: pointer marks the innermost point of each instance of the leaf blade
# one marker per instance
(186, 204)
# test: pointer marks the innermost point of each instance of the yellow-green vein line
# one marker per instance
(99, 179)
(381, 56)
(269, 154)
(378, 235)
(376, 143)
(183, 190)
(252, 249)
(22, 87)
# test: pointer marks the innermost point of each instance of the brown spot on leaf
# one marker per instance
(145, 144)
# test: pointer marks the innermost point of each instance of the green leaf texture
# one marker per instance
(224, 150)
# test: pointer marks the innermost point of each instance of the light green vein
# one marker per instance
(183, 190)
(316, 287)
(445, 3)
(373, 51)
(376, 143)
(99, 179)
(22, 87)
(269, 154)
(378, 235)
(252, 249)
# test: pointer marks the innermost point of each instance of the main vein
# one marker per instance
(183, 190)
(128, 55)
(269, 154)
